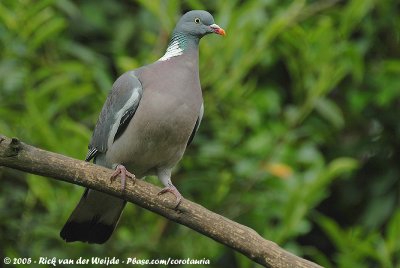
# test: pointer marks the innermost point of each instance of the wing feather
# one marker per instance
(197, 125)
(118, 110)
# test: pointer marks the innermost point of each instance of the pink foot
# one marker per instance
(121, 170)
(172, 189)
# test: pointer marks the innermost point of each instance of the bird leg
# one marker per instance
(121, 170)
(172, 189)
(164, 175)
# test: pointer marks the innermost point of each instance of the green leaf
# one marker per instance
(330, 111)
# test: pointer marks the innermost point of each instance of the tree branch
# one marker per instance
(17, 155)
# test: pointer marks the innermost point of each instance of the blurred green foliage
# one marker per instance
(300, 139)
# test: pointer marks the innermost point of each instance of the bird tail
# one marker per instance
(94, 218)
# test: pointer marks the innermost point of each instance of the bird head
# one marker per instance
(198, 23)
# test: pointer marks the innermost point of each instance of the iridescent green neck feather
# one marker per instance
(179, 44)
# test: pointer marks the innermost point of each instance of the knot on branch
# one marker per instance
(13, 148)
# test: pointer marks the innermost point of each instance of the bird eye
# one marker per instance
(197, 20)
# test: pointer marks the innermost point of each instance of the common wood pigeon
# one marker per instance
(149, 118)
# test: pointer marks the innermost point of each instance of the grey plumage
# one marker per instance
(150, 116)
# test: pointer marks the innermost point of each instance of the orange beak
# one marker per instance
(217, 29)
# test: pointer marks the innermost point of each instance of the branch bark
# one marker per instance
(18, 155)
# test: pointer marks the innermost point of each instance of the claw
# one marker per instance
(121, 170)
(172, 189)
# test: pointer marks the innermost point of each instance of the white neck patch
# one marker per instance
(173, 50)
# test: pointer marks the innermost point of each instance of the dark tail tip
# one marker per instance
(90, 232)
